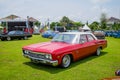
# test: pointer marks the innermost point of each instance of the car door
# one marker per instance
(91, 43)
(19, 34)
(82, 47)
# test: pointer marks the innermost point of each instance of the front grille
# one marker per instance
(36, 55)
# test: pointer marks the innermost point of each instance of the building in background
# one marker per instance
(13, 22)
(112, 20)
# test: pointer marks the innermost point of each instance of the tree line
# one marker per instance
(72, 25)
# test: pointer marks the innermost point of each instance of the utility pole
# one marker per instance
(48, 24)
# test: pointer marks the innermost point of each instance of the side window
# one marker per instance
(83, 39)
(19, 32)
(90, 37)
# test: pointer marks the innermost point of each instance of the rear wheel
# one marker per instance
(98, 51)
(2, 39)
(66, 61)
(8, 38)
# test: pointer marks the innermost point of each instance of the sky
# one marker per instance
(76, 10)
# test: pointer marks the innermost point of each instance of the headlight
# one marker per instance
(26, 51)
(48, 56)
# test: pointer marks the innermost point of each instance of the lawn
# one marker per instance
(13, 66)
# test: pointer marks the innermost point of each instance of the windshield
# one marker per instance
(67, 38)
(11, 32)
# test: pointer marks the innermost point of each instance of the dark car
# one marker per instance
(116, 34)
(49, 34)
(99, 34)
(15, 35)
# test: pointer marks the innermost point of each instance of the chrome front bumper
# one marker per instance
(44, 61)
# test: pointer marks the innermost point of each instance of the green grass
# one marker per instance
(13, 66)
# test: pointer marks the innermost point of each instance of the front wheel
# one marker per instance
(8, 38)
(98, 51)
(25, 37)
(66, 61)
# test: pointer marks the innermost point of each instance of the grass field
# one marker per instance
(13, 66)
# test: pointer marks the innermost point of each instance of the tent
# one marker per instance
(86, 28)
(36, 30)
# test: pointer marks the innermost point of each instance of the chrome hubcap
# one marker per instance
(8, 38)
(98, 51)
(66, 61)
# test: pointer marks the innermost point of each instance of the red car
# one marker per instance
(64, 48)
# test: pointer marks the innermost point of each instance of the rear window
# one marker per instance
(90, 37)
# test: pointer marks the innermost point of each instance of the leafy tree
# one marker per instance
(94, 25)
(116, 26)
(103, 21)
(76, 25)
(66, 22)
(37, 23)
(4, 24)
(53, 24)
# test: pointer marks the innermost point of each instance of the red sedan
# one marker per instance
(65, 48)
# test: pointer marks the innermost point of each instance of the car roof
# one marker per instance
(79, 33)
(75, 33)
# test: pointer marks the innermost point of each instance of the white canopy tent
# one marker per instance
(36, 30)
(85, 27)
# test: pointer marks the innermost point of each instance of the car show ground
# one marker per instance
(13, 66)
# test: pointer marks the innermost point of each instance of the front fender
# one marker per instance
(60, 56)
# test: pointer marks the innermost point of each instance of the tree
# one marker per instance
(116, 26)
(103, 21)
(65, 21)
(4, 24)
(37, 23)
(94, 25)
(53, 24)
(76, 25)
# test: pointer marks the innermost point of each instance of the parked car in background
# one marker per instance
(49, 34)
(112, 33)
(64, 48)
(59, 29)
(109, 33)
(15, 35)
(116, 34)
(99, 34)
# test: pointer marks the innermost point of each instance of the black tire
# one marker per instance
(66, 61)
(98, 51)
(2, 39)
(19, 38)
(8, 38)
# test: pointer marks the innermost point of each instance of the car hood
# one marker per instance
(49, 47)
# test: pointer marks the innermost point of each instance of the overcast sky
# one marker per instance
(77, 10)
